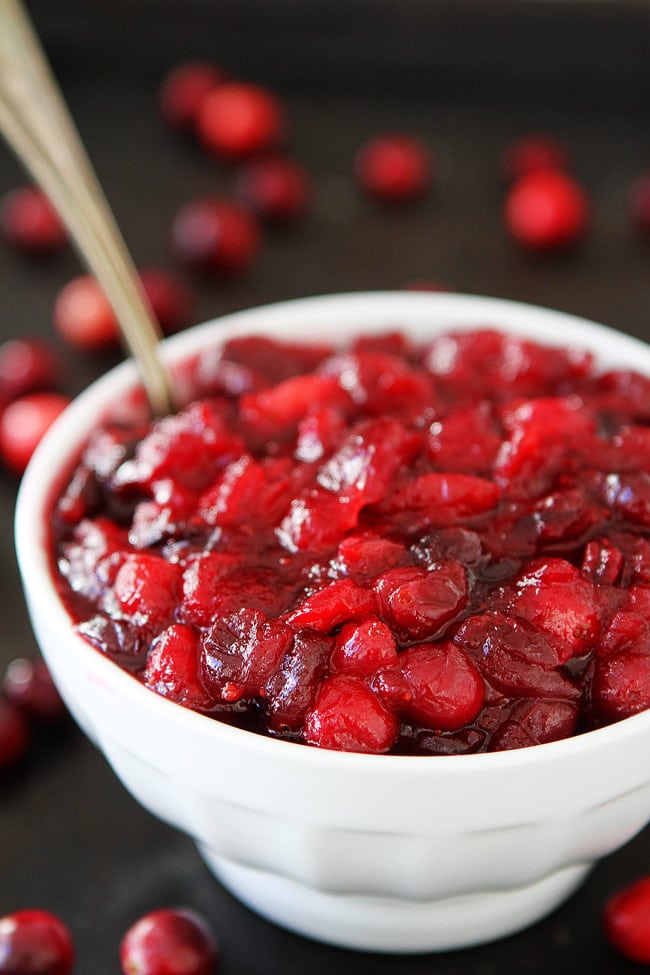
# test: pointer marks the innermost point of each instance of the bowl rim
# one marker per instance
(55, 453)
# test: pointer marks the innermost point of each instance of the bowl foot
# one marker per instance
(389, 924)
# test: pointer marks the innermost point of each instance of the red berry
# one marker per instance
(362, 648)
(627, 921)
(216, 235)
(29, 222)
(531, 154)
(348, 716)
(546, 211)
(447, 690)
(183, 90)
(169, 942)
(34, 942)
(638, 202)
(169, 297)
(26, 366)
(83, 316)
(276, 189)
(146, 587)
(14, 741)
(237, 120)
(394, 168)
(23, 423)
(28, 685)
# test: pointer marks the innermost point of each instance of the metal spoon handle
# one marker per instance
(37, 124)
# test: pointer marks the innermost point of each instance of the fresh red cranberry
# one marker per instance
(531, 154)
(546, 211)
(349, 717)
(28, 685)
(14, 741)
(83, 317)
(626, 921)
(34, 942)
(169, 297)
(23, 424)
(447, 690)
(183, 90)
(216, 235)
(29, 222)
(27, 366)
(170, 941)
(277, 189)
(394, 168)
(237, 120)
(638, 204)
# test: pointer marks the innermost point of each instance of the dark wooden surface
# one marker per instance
(71, 839)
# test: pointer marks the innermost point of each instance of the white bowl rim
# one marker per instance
(33, 559)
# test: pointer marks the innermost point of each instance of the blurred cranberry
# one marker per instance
(14, 741)
(83, 317)
(238, 120)
(169, 297)
(183, 90)
(28, 685)
(627, 921)
(29, 222)
(216, 235)
(546, 211)
(26, 366)
(34, 942)
(394, 168)
(531, 154)
(169, 942)
(23, 423)
(276, 189)
(638, 202)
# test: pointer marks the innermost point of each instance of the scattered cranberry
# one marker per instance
(394, 168)
(29, 222)
(14, 741)
(28, 685)
(34, 942)
(531, 154)
(183, 90)
(169, 942)
(276, 189)
(216, 235)
(627, 921)
(237, 120)
(169, 297)
(23, 423)
(547, 211)
(83, 316)
(638, 202)
(26, 366)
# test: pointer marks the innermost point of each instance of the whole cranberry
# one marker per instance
(627, 921)
(14, 741)
(216, 235)
(169, 297)
(26, 366)
(276, 189)
(29, 222)
(546, 211)
(28, 685)
(34, 942)
(237, 120)
(638, 202)
(83, 317)
(394, 168)
(169, 942)
(23, 423)
(183, 90)
(531, 154)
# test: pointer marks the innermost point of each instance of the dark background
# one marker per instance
(464, 75)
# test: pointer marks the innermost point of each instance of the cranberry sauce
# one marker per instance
(430, 549)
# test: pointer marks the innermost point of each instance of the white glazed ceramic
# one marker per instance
(386, 853)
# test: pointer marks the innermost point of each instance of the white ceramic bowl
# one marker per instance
(371, 852)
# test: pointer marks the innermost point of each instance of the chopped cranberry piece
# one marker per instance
(532, 154)
(316, 520)
(28, 685)
(216, 235)
(14, 741)
(29, 222)
(26, 366)
(626, 921)
(360, 649)
(534, 723)
(169, 297)
(83, 316)
(237, 120)
(170, 941)
(419, 602)
(34, 942)
(362, 557)
(349, 717)
(291, 691)
(241, 651)
(173, 667)
(183, 91)
(277, 189)
(546, 211)
(638, 204)
(146, 588)
(394, 168)
(447, 689)
(24, 423)
(337, 603)
(436, 500)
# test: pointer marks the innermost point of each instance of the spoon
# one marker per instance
(38, 126)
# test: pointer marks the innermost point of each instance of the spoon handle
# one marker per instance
(37, 124)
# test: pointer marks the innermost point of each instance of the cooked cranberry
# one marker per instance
(417, 602)
(362, 648)
(236, 120)
(291, 691)
(447, 690)
(638, 202)
(531, 154)
(169, 297)
(277, 189)
(626, 921)
(395, 168)
(29, 222)
(216, 235)
(183, 90)
(34, 942)
(146, 588)
(173, 667)
(28, 685)
(337, 603)
(170, 942)
(349, 717)
(23, 424)
(14, 739)
(83, 316)
(547, 211)
(27, 366)
(240, 652)
(535, 723)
